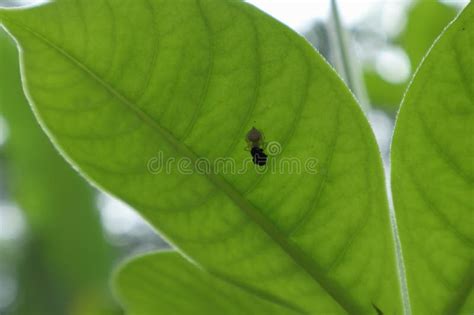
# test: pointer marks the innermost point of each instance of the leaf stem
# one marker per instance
(400, 263)
(343, 63)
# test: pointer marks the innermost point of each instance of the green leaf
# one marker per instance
(432, 175)
(426, 19)
(158, 283)
(383, 94)
(117, 85)
(66, 255)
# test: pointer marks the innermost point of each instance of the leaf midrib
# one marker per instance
(290, 248)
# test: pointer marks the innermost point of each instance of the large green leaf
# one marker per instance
(158, 283)
(432, 158)
(116, 84)
(66, 255)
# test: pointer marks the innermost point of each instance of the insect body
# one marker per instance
(255, 140)
(258, 156)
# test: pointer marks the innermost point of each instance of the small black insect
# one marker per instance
(258, 156)
(255, 140)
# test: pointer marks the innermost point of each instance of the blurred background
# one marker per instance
(60, 239)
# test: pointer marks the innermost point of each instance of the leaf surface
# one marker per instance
(433, 172)
(158, 283)
(119, 84)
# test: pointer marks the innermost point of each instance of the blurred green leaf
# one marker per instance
(116, 84)
(170, 279)
(67, 255)
(383, 94)
(425, 21)
(433, 172)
